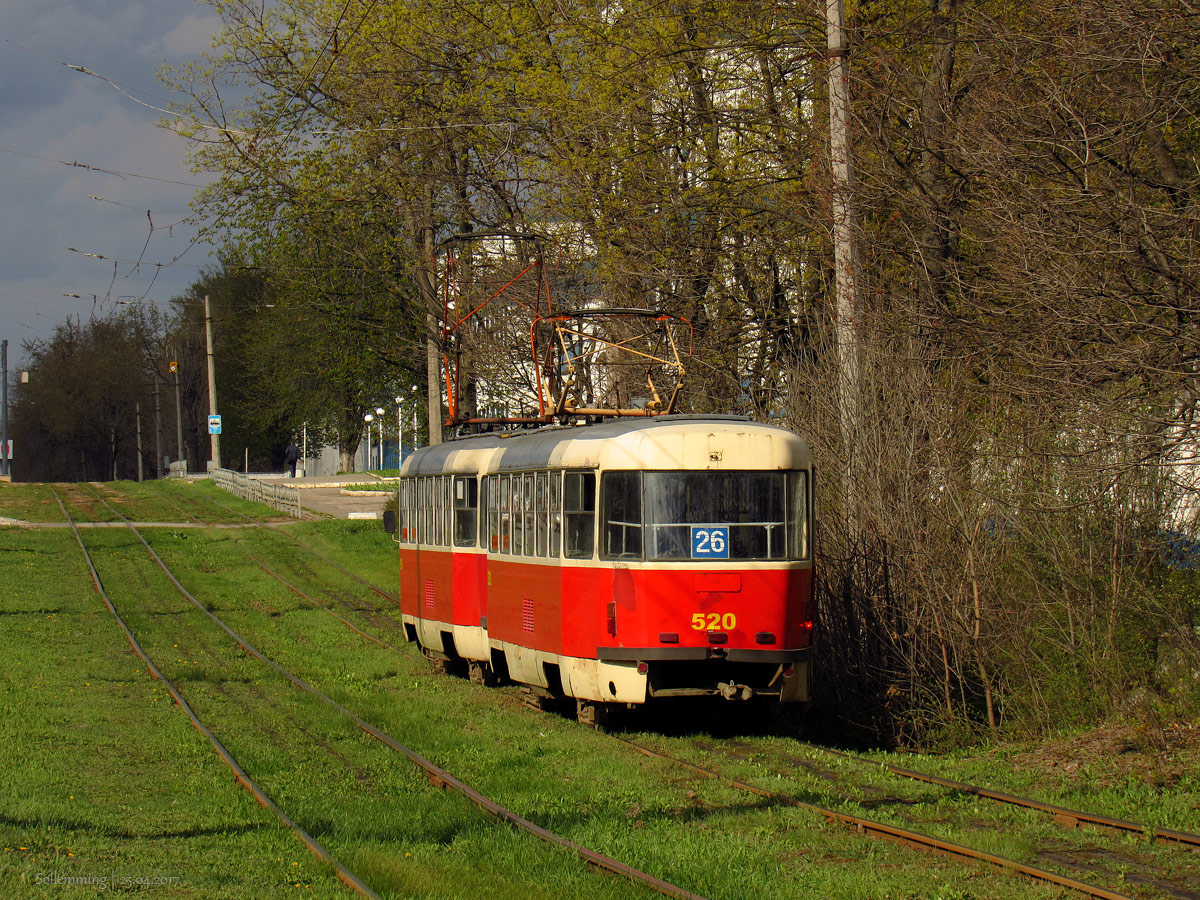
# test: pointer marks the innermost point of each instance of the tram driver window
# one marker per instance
(622, 493)
(466, 499)
(579, 509)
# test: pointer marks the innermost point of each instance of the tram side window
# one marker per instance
(505, 498)
(622, 496)
(485, 514)
(579, 508)
(444, 483)
(798, 515)
(431, 511)
(439, 511)
(402, 513)
(514, 503)
(555, 513)
(541, 513)
(466, 500)
(431, 516)
(406, 511)
(422, 510)
(530, 516)
(435, 504)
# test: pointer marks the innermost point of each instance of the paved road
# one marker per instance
(326, 496)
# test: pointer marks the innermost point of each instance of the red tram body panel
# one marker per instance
(616, 563)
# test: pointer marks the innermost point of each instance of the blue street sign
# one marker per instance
(214, 424)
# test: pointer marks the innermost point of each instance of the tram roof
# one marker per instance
(660, 442)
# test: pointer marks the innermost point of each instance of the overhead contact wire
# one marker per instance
(345, 875)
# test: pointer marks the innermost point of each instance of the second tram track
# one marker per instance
(437, 776)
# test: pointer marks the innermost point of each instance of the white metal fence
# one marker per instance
(279, 496)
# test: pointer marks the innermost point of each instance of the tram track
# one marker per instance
(857, 823)
(1062, 815)
(314, 846)
(437, 776)
(908, 837)
(865, 826)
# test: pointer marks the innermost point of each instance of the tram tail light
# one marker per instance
(789, 671)
(643, 668)
(612, 618)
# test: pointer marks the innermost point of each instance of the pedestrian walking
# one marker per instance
(291, 456)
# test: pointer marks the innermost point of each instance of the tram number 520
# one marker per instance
(713, 621)
(710, 543)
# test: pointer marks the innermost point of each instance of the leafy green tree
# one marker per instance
(77, 417)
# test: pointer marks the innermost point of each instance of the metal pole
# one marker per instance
(178, 417)
(141, 471)
(4, 461)
(158, 454)
(215, 439)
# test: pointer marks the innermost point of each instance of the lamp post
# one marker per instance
(379, 420)
(368, 418)
(413, 395)
(399, 431)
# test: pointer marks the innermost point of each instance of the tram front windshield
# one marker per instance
(706, 515)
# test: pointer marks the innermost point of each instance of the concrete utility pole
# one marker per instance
(178, 417)
(844, 254)
(215, 439)
(158, 454)
(141, 471)
(4, 461)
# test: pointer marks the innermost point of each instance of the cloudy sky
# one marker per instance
(54, 213)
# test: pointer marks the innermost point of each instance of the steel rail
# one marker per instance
(243, 778)
(295, 590)
(438, 777)
(387, 595)
(1062, 814)
(881, 829)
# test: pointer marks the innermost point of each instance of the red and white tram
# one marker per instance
(617, 562)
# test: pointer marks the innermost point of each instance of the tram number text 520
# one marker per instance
(713, 621)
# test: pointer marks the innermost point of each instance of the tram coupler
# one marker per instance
(732, 691)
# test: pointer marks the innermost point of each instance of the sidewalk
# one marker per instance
(325, 495)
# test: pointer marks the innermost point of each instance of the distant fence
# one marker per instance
(279, 496)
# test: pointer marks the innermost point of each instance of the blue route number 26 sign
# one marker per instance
(710, 542)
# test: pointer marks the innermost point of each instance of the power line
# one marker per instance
(100, 169)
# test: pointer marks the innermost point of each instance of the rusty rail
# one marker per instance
(437, 776)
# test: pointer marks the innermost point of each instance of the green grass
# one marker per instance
(104, 775)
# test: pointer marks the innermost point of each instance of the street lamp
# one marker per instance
(413, 391)
(379, 418)
(368, 418)
(399, 431)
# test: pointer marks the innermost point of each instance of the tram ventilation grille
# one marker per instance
(429, 595)
(527, 616)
